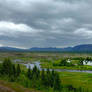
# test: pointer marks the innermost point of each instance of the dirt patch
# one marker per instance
(5, 89)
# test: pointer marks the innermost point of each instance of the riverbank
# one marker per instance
(51, 66)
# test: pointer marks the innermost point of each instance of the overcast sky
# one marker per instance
(45, 23)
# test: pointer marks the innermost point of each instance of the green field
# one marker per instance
(50, 66)
(83, 80)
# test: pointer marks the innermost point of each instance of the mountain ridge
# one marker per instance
(77, 48)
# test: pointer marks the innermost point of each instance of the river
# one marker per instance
(37, 63)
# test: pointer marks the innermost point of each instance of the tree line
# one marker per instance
(47, 79)
(7, 68)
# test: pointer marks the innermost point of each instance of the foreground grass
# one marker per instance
(13, 87)
(77, 80)
(83, 80)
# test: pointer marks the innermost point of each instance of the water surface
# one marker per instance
(37, 63)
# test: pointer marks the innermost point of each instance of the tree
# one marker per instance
(38, 74)
(43, 79)
(18, 71)
(57, 82)
(48, 78)
(35, 72)
(52, 77)
(63, 62)
(80, 63)
(29, 73)
(14, 70)
(7, 67)
(34, 69)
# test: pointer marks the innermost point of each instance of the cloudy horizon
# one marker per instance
(45, 23)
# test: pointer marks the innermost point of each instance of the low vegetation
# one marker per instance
(68, 63)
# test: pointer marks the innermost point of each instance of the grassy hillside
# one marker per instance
(13, 87)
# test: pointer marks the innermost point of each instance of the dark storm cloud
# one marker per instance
(43, 23)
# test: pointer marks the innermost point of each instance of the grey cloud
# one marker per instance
(57, 22)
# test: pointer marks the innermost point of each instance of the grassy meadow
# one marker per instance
(77, 80)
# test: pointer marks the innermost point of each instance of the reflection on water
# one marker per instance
(59, 70)
(31, 65)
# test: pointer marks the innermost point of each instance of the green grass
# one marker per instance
(55, 65)
(50, 66)
(83, 80)
(15, 87)
(77, 80)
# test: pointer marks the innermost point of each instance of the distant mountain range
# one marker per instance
(78, 48)
(11, 49)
